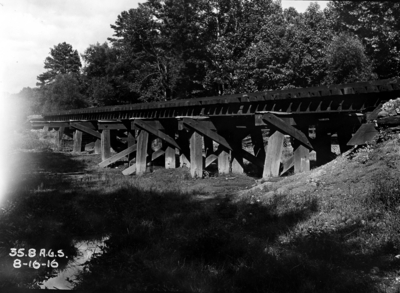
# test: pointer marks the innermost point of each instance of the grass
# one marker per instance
(170, 232)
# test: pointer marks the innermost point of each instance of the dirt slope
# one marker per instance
(357, 199)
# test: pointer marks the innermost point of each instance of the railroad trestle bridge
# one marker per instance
(200, 132)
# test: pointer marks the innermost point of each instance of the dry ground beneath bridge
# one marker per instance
(333, 229)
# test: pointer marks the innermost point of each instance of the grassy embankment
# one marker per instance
(334, 229)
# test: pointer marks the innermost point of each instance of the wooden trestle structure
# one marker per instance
(199, 132)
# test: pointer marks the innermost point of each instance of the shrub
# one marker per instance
(32, 141)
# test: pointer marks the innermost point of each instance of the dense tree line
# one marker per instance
(179, 49)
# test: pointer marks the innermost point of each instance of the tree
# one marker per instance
(105, 77)
(154, 67)
(234, 24)
(32, 98)
(63, 94)
(377, 25)
(347, 61)
(62, 60)
(163, 44)
(288, 51)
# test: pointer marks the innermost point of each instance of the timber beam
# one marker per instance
(39, 124)
(286, 128)
(59, 137)
(289, 163)
(196, 155)
(111, 125)
(86, 129)
(221, 140)
(118, 156)
(273, 155)
(77, 148)
(155, 131)
(142, 151)
(344, 98)
(105, 144)
(196, 125)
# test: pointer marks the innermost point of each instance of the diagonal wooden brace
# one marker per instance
(85, 129)
(221, 140)
(207, 132)
(118, 156)
(285, 128)
(156, 132)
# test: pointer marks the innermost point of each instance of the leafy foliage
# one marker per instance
(177, 49)
(154, 64)
(63, 94)
(63, 60)
(288, 51)
(377, 24)
(104, 76)
(347, 61)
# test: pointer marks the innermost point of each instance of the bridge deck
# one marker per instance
(356, 97)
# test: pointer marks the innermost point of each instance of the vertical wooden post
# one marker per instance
(223, 161)
(170, 162)
(59, 138)
(208, 146)
(344, 135)
(237, 161)
(322, 146)
(97, 146)
(131, 142)
(273, 155)
(258, 144)
(301, 159)
(183, 160)
(77, 142)
(105, 144)
(183, 141)
(170, 158)
(141, 153)
(196, 155)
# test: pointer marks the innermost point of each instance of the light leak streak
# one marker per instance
(9, 111)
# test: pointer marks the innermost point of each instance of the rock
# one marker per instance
(374, 270)
(282, 190)
(383, 113)
(269, 194)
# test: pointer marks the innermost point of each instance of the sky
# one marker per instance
(29, 28)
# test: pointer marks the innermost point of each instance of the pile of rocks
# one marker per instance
(390, 108)
(390, 113)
